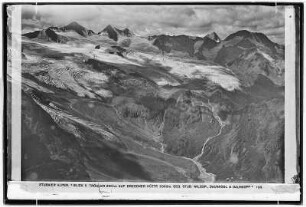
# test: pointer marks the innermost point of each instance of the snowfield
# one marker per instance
(180, 67)
(215, 73)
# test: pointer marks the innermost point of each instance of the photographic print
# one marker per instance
(176, 95)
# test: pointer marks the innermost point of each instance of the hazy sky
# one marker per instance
(195, 20)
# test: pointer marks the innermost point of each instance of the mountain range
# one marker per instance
(113, 106)
(230, 52)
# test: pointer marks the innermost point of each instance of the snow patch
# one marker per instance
(163, 82)
(268, 57)
(104, 93)
(104, 56)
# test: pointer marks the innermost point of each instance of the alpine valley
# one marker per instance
(115, 106)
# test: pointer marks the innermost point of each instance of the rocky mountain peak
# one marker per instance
(74, 26)
(110, 31)
(108, 28)
(114, 32)
(255, 37)
(241, 33)
(213, 36)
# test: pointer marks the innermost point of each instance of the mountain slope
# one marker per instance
(249, 54)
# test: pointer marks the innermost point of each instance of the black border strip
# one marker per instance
(299, 8)
(299, 25)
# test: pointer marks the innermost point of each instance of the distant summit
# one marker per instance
(108, 28)
(255, 37)
(241, 33)
(236, 44)
(213, 36)
(46, 34)
(211, 40)
(110, 31)
(74, 26)
(114, 33)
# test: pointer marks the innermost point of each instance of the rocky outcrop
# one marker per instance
(117, 50)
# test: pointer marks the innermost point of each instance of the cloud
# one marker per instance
(170, 19)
